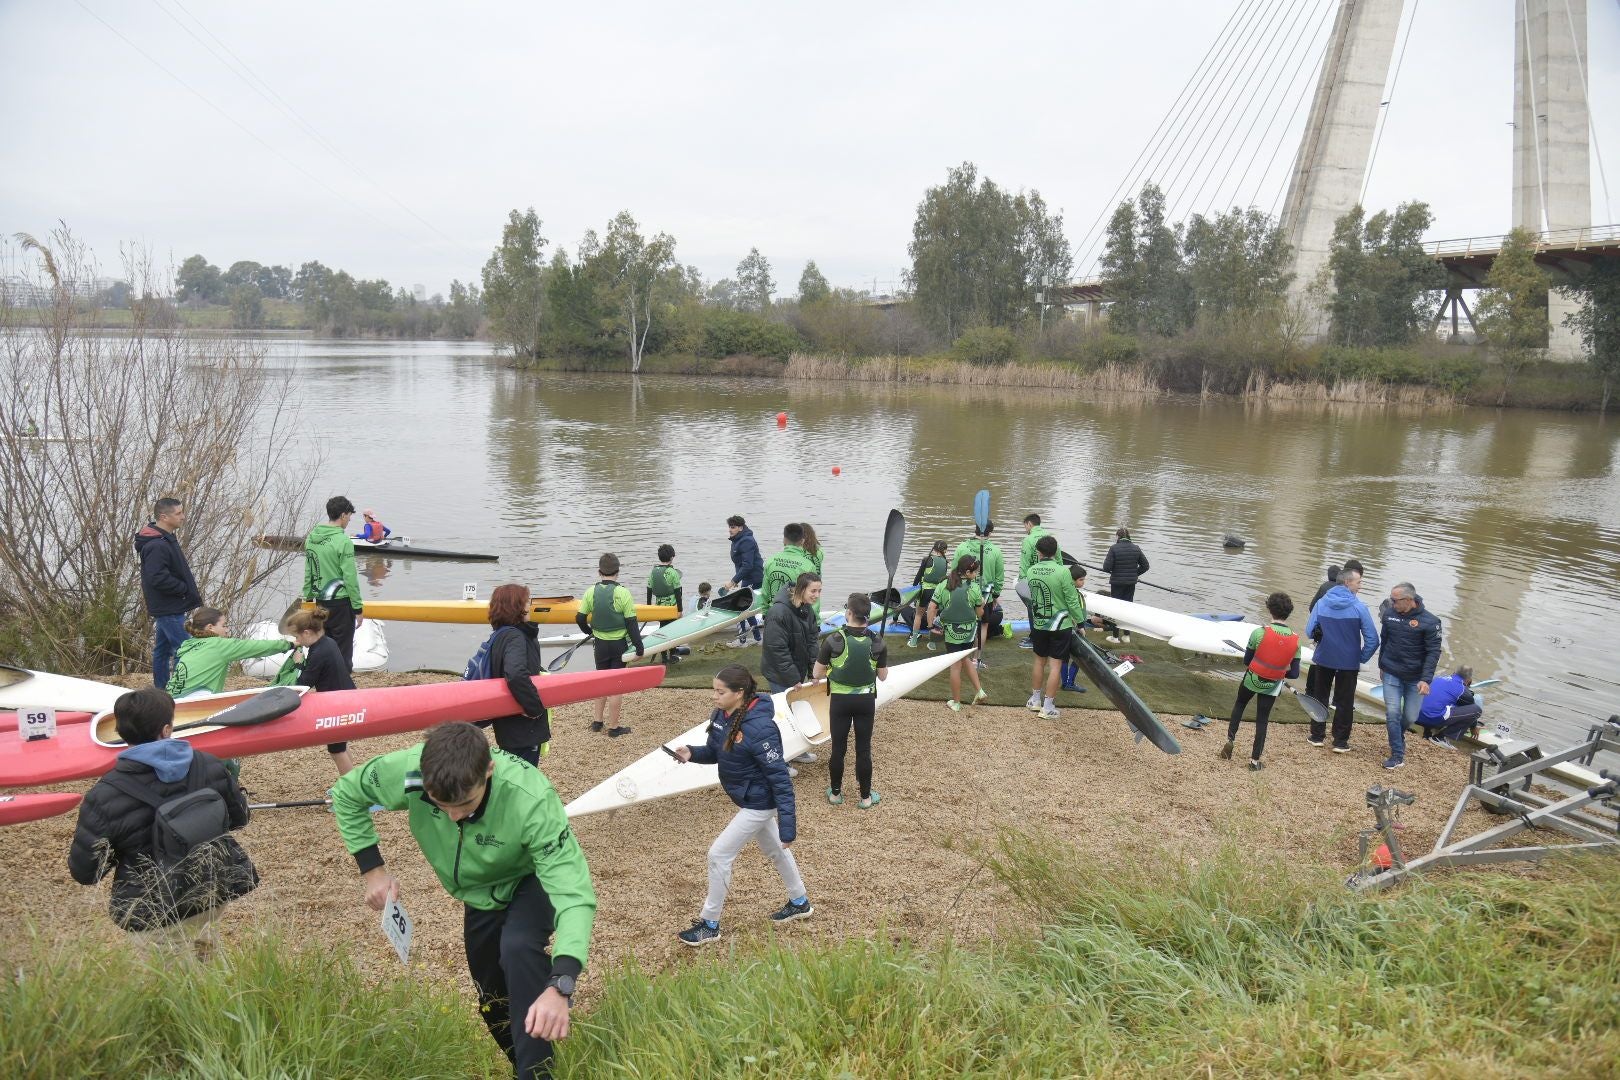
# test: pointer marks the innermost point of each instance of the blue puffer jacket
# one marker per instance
(755, 771)
(747, 568)
(1345, 629)
(1410, 644)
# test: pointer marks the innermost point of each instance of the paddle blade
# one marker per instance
(894, 539)
(981, 510)
(1314, 709)
(269, 705)
(560, 662)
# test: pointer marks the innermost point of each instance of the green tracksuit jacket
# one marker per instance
(1055, 604)
(328, 554)
(1028, 556)
(201, 663)
(992, 567)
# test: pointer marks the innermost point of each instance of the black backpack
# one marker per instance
(180, 823)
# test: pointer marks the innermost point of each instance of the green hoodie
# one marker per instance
(1028, 556)
(328, 555)
(1054, 602)
(201, 663)
(992, 567)
(782, 570)
(521, 829)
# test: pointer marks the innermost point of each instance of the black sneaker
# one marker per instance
(1255, 766)
(1316, 740)
(791, 911)
(701, 933)
(1225, 752)
(1027, 643)
(1394, 762)
(1341, 748)
(615, 732)
(596, 725)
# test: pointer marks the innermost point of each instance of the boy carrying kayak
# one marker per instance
(1271, 655)
(607, 612)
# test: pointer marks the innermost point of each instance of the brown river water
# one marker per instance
(1508, 522)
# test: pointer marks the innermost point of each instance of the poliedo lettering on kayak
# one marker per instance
(343, 720)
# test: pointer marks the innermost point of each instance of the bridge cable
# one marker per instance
(1591, 127)
(1169, 118)
(1383, 116)
(1535, 116)
(1282, 99)
(1307, 92)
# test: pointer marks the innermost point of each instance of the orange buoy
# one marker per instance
(781, 419)
(836, 470)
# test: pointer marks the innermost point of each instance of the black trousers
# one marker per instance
(506, 955)
(340, 627)
(1262, 719)
(1463, 717)
(1335, 687)
(847, 711)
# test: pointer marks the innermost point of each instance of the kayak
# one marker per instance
(32, 806)
(801, 715)
(21, 688)
(8, 719)
(370, 649)
(897, 599)
(1111, 682)
(290, 718)
(395, 547)
(722, 612)
(542, 609)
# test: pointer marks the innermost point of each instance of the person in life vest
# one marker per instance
(931, 574)
(373, 530)
(853, 660)
(1271, 656)
(957, 606)
(607, 612)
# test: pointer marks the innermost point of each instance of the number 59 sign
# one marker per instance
(36, 724)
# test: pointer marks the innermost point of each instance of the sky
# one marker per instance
(391, 140)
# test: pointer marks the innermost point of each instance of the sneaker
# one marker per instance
(1049, 712)
(701, 933)
(1225, 752)
(1447, 743)
(981, 695)
(1125, 637)
(792, 772)
(1341, 748)
(1026, 644)
(981, 665)
(596, 725)
(953, 705)
(911, 642)
(1111, 639)
(806, 758)
(737, 643)
(615, 732)
(1316, 740)
(931, 646)
(834, 797)
(791, 912)
(1034, 703)
(1393, 763)
(1255, 766)
(870, 801)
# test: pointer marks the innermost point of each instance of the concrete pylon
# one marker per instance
(1552, 167)
(1332, 161)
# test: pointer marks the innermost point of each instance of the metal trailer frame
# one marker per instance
(1585, 816)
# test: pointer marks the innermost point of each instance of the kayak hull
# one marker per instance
(21, 688)
(1141, 718)
(8, 720)
(722, 612)
(76, 753)
(370, 649)
(542, 609)
(393, 548)
(31, 806)
(801, 717)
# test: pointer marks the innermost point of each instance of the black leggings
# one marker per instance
(507, 960)
(844, 712)
(1262, 718)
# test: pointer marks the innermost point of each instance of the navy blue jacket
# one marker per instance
(1124, 563)
(747, 568)
(1409, 644)
(755, 771)
(1345, 629)
(166, 581)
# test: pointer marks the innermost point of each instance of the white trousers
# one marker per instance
(759, 826)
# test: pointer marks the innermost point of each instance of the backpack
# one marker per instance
(180, 823)
(479, 666)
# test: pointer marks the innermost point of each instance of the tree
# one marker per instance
(514, 285)
(1122, 270)
(724, 294)
(1381, 276)
(198, 281)
(1166, 294)
(1237, 263)
(754, 284)
(1597, 320)
(635, 271)
(979, 254)
(1512, 315)
(813, 287)
(465, 312)
(247, 307)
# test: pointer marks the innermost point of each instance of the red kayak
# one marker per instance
(284, 718)
(8, 719)
(16, 809)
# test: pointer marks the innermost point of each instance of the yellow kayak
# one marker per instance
(542, 609)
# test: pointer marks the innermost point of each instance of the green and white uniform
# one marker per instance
(992, 564)
(329, 555)
(958, 611)
(201, 663)
(1028, 556)
(782, 570)
(851, 666)
(663, 583)
(1054, 603)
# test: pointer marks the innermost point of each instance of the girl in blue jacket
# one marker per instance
(745, 743)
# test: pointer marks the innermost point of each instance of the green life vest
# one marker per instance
(662, 583)
(852, 671)
(604, 618)
(938, 570)
(957, 614)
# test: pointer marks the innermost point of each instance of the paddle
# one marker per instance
(288, 805)
(1317, 711)
(561, 661)
(275, 702)
(981, 522)
(1166, 588)
(894, 538)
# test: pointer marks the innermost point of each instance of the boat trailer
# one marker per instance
(1590, 817)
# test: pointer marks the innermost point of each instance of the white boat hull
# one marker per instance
(801, 716)
(370, 649)
(22, 688)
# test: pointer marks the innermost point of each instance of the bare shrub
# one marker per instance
(93, 428)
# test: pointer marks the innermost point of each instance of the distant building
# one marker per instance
(420, 292)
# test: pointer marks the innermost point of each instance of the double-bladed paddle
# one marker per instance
(894, 538)
(1317, 711)
(269, 705)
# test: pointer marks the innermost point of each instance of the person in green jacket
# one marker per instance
(1027, 557)
(494, 831)
(329, 561)
(1055, 610)
(204, 659)
(607, 612)
(784, 568)
(992, 575)
(957, 605)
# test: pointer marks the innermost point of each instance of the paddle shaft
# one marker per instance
(288, 805)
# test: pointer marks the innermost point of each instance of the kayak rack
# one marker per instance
(1502, 780)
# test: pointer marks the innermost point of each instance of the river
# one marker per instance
(1508, 522)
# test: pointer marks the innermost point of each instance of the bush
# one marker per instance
(986, 346)
(1402, 366)
(736, 333)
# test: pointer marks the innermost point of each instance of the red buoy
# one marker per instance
(781, 419)
(836, 470)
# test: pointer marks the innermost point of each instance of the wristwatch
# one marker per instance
(563, 984)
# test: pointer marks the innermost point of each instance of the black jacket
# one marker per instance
(1408, 645)
(324, 668)
(516, 658)
(790, 642)
(1124, 563)
(115, 832)
(166, 581)
(1321, 591)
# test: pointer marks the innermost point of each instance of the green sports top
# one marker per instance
(852, 670)
(662, 583)
(782, 570)
(1054, 602)
(992, 564)
(201, 663)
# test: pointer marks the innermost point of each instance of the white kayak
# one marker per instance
(21, 688)
(370, 649)
(801, 715)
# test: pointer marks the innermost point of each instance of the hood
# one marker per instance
(320, 534)
(149, 534)
(169, 758)
(1338, 601)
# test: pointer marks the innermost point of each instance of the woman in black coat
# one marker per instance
(514, 655)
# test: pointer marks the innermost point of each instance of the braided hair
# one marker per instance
(736, 677)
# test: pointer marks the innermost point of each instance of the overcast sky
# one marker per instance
(809, 131)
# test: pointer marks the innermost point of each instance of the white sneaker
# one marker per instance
(1111, 639)
(736, 643)
(1034, 703)
(1049, 712)
(792, 771)
(805, 758)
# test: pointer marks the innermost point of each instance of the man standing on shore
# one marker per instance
(1123, 564)
(167, 584)
(1348, 638)
(747, 568)
(1027, 557)
(1409, 651)
(329, 559)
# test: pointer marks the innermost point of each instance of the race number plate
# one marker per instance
(396, 927)
(36, 724)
